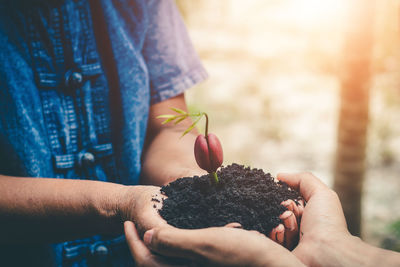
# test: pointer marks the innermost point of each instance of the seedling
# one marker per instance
(207, 148)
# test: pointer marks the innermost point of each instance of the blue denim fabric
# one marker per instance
(62, 115)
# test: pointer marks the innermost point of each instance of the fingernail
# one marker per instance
(285, 203)
(292, 223)
(234, 225)
(285, 215)
(148, 236)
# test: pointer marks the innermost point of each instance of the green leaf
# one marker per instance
(181, 119)
(168, 120)
(177, 110)
(191, 127)
(197, 114)
(166, 116)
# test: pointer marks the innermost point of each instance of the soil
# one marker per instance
(244, 195)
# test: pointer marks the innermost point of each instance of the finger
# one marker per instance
(234, 225)
(290, 205)
(291, 228)
(278, 234)
(138, 249)
(306, 183)
(300, 207)
(287, 219)
(272, 234)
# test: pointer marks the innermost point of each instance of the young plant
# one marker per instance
(207, 147)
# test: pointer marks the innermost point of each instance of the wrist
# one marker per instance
(380, 257)
(358, 253)
(120, 205)
(320, 249)
(126, 202)
(340, 249)
(114, 204)
(276, 256)
(107, 204)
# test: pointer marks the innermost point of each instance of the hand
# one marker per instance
(142, 255)
(218, 246)
(324, 238)
(141, 205)
(322, 220)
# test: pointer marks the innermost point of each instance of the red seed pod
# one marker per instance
(216, 155)
(209, 156)
(201, 153)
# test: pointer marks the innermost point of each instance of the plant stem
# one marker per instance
(208, 146)
(206, 131)
(215, 177)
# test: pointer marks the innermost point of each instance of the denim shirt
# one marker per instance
(73, 107)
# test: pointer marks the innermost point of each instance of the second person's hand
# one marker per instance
(324, 238)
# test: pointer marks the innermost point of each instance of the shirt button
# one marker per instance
(73, 79)
(101, 250)
(86, 159)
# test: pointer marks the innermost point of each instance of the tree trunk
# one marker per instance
(354, 108)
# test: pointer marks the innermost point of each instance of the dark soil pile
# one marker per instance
(247, 196)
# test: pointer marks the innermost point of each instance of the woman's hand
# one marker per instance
(140, 204)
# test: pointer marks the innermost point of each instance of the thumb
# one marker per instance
(174, 242)
(138, 249)
(306, 183)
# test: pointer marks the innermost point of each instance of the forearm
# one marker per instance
(169, 157)
(42, 209)
(166, 155)
(373, 256)
(352, 251)
(384, 257)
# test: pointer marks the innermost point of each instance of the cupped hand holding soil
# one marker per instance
(243, 195)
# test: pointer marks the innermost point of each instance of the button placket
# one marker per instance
(84, 158)
(74, 93)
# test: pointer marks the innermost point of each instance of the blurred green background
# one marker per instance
(273, 96)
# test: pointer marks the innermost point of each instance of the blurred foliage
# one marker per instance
(395, 228)
(392, 241)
